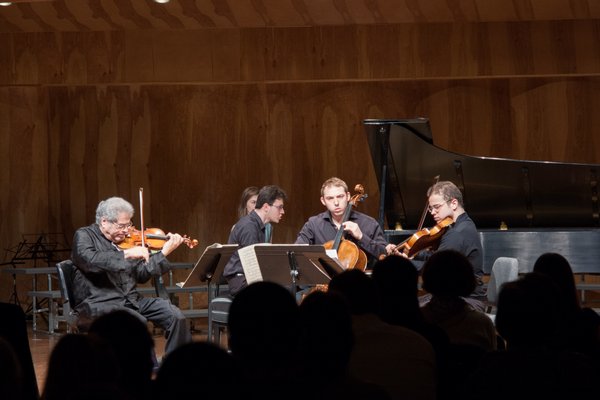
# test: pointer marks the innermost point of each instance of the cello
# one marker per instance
(349, 254)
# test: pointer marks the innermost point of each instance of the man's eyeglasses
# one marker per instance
(435, 207)
(279, 207)
(122, 227)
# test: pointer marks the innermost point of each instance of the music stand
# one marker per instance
(210, 264)
(289, 265)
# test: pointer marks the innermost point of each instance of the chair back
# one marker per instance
(66, 274)
(160, 289)
(505, 269)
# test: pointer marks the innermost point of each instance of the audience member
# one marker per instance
(82, 367)
(198, 368)
(11, 375)
(579, 328)
(128, 337)
(325, 350)
(527, 319)
(264, 331)
(398, 359)
(14, 330)
(448, 276)
(396, 280)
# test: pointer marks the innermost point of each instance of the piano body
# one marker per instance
(544, 206)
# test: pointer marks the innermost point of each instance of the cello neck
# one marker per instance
(340, 232)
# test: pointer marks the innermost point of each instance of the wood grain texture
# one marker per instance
(101, 15)
(359, 52)
(199, 99)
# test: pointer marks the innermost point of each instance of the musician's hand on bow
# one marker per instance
(175, 240)
(137, 252)
(392, 250)
(353, 229)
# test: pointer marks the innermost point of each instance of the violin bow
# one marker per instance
(436, 179)
(142, 216)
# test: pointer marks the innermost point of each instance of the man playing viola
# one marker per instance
(106, 276)
(446, 200)
(359, 228)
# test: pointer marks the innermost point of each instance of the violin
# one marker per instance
(424, 238)
(153, 238)
(349, 255)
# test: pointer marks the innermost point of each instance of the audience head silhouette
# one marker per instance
(358, 289)
(194, 368)
(11, 375)
(263, 323)
(526, 316)
(13, 330)
(396, 279)
(133, 346)
(327, 335)
(448, 273)
(82, 367)
(557, 268)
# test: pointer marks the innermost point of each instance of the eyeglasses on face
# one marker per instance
(436, 207)
(279, 207)
(122, 227)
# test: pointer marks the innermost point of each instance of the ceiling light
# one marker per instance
(161, 1)
(5, 4)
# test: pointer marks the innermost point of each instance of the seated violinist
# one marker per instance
(357, 227)
(106, 276)
(446, 201)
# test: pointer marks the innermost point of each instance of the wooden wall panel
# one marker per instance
(195, 116)
(23, 176)
(195, 147)
(443, 51)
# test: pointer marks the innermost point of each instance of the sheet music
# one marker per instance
(250, 264)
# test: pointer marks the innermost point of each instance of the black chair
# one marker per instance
(219, 302)
(66, 273)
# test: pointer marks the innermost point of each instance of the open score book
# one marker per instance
(275, 262)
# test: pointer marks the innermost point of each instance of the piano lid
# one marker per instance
(521, 194)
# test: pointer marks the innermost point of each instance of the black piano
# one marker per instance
(522, 208)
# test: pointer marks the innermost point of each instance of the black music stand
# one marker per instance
(210, 265)
(290, 265)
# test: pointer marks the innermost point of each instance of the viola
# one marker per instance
(425, 238)
(153, 238)
(349, 255)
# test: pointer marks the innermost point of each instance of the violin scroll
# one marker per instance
(359, 196)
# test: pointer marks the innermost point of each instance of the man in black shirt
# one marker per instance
(359, 228)
(252, 229)
(446, 200)
(106, 276)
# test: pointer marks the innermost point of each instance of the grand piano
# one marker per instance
(522, 208)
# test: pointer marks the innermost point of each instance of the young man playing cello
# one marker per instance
(361, 229)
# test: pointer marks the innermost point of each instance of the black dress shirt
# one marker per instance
(103, 277)
(320, 229)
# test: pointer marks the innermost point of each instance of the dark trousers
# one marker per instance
(236, 283)
(162, 313)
